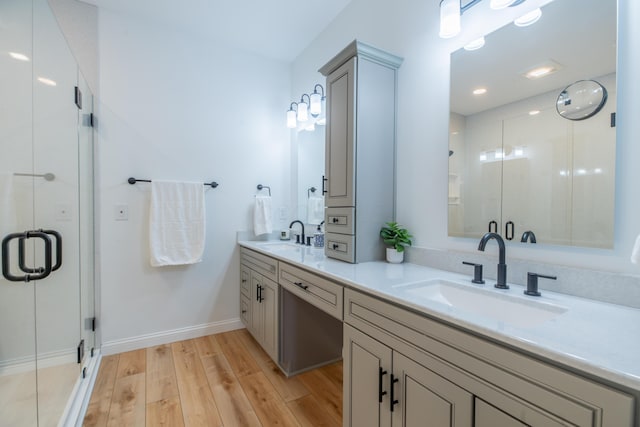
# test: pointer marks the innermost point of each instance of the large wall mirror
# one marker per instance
(518, 166)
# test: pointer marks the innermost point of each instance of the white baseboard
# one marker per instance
(166, 337)
(46, 360)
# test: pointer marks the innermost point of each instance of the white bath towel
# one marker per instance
(8, 218)
(315, 210)
(262, 215)
(635, 253)
(177, 223)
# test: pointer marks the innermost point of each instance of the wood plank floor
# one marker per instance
(217, 380)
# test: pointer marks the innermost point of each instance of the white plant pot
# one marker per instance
(394, 257)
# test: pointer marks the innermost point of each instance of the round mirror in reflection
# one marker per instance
(581, 100)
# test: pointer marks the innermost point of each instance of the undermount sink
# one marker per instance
(491, 304)
(278, 246)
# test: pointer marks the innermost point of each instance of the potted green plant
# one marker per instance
(396, 238)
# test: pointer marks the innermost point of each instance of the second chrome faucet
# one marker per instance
(501, 283)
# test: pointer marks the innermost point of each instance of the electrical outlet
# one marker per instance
(121, 212)
(283, 213)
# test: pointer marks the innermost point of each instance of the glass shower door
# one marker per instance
(18, 398)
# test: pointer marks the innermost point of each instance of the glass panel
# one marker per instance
(18, 398)
(57, 207)
(86, 218)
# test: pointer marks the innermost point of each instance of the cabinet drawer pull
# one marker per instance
(393, 400)
(300, 285)
(381, 373)
(244, 311)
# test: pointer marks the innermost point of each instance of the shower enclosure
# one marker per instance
(47, 324)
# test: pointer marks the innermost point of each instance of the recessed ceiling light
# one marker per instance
(534, 112)
(541, 69)
(19, 56)
(528, 18)
(480, 91)
(47, 81)
(475, 45)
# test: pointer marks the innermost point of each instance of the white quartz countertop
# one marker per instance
(597, 338)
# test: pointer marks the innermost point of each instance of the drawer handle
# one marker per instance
(244, 280)
(335, 246)
(334, 220)
(244, 311)
(381, 373)
(393, 401)
(300, 285)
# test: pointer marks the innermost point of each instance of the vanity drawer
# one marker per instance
(316, 290)
(339, 220)
(245, 310)
(245, 281)
(339, 246)
(262, 264)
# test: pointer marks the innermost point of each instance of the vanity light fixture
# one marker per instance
(452, 10)
(534, 112)
(291, 116)
(309, 111)
(19, 56)
(480, 91)
(475, 45)
(528, 18)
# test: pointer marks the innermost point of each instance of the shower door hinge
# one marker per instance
(90, 324)
(92, 351)
(78, 97)
(80, 351)
(92, 120)
(84, 372)
(613, 120)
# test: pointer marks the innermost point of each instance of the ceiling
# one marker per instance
(278, 29)
(580, 38)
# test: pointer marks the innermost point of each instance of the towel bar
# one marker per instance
(46, 176)
(132, 181)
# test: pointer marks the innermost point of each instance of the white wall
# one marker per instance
(174, 106)
(409, 28)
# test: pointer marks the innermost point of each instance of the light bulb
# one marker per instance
(528, 18)
(291, 119)
(449, 18)
(316, 104)
(500, 4)
(475, 45)
(303, 116)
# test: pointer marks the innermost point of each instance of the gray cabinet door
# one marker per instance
(489, 416)
(425, 398)
(269, 308)
(256, 328)
(340, 136)
(367, 369)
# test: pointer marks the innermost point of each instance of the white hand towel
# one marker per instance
(8, 217)
(315, 210)
(635, 253)
(177, 223)
(262, 215)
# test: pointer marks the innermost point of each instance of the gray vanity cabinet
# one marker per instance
(360, 151)
(448, 377)
(377, 378)
(259, 299)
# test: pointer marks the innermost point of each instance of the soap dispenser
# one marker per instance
(318, 237)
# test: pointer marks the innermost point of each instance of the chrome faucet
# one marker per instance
(502, 266)
(301, 225)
